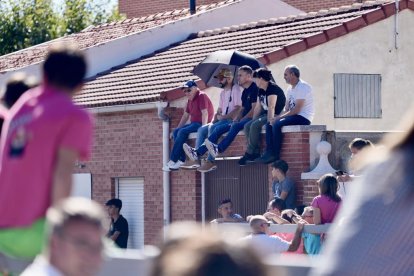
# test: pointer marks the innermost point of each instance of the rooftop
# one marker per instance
(157, 76)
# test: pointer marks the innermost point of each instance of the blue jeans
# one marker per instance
(274, 135)
(216, 131)
(180, 136)
(234, 130)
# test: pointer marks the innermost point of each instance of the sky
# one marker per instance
(108, 3)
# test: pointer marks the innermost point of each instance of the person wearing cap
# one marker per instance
(118, 231)
(270, 103)
(199, 111)
(228, 110)
(265, 245)
(249, 99)
(299, 110)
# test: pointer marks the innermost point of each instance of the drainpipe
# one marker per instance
(397, 9)
(192, 6)
(165, 157)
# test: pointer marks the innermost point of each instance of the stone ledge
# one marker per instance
(286, 129)
(302, 128)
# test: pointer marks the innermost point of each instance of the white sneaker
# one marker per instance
(176, 166)
(166, 167)
(212, 148)
(190, 152)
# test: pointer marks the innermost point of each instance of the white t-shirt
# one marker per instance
(265, 245)
(41, 266)
(302, 90)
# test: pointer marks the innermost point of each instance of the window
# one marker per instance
(357, 95)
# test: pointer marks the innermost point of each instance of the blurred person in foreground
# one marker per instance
(75, 232)
(190, 250)
(43, 137)
(373, 232)
(16, 86)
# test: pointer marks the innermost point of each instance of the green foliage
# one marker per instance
(24, 23)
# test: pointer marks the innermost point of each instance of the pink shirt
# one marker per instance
(41, 122)
(289, 237)
(328, 207)
(225, 103)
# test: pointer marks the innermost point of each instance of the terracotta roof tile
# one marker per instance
(157, 76)
(95, 35)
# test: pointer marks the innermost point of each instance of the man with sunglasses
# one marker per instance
(227, 112)
(199, 112)
(263, 244)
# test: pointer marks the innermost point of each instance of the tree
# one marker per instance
(24, 23)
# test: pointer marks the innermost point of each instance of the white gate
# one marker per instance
(131, 192)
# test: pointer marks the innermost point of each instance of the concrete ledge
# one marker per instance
(301, 128)
(286, 129)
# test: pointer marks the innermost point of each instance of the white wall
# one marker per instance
(82, 185)
(368, 50)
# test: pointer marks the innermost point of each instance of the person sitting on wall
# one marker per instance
(118, 230)
(283, 187)
(228, 110)
(249, 99)
(299, 110)
(270, 103)
(225, 209)
(200, 111)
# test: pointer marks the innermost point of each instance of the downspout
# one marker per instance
(165, 157)
(397, 9)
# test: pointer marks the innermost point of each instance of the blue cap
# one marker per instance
(189, 84)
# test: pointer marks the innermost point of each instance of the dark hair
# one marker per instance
(300, 208)
(294, 70)
(115, 202)
(360, 143)
(263, 74)
(281, 165)
(16, 86)
(328, 185)
(224, 201)
(247, 69)
(65, 66)
(278, 203)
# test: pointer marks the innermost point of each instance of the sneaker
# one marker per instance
(190, 164)
(212, 148)
(207, 166)
(190, 152)
(266, 158)
(166, 167)
(176, 166)
(248, 158)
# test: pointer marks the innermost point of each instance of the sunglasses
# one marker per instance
(188, 90)
(266, 223)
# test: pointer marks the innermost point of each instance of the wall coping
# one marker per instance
(286, 129)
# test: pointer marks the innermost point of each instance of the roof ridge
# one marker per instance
(151, 17)
(291, 18)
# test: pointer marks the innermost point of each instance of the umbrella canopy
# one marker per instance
(231, 59)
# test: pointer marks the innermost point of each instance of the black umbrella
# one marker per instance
(214, 62)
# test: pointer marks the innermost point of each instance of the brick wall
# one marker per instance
(316, 5)
(128, 144)
(139, 8)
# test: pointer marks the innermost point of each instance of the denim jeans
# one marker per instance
(234, 130)
(180, 136)
(252, 130)
(274, 135)
(216, 131)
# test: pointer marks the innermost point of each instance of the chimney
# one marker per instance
(192, 6)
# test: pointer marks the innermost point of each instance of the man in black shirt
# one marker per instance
(118, 231)
(249, 98)
(270, 103)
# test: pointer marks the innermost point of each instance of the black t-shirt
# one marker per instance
(120, 225)
(272, 89)
(249, 97)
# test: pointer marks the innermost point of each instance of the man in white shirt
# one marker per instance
(299, 110)
(263, 244)
(75, 229)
